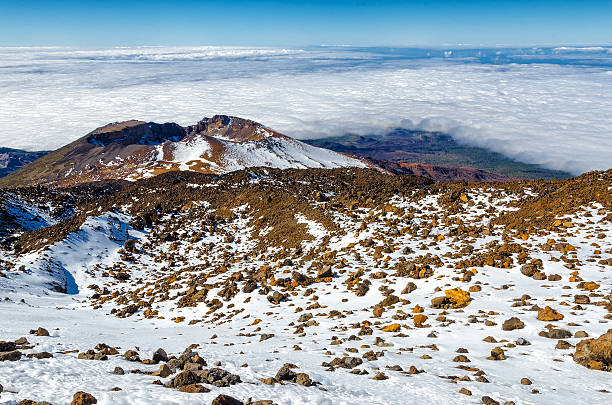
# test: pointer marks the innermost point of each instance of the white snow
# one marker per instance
(75, 325)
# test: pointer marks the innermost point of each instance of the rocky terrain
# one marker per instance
(134, 149)
(306, 286)
(439, 173)
(14, 159)
(436, 155)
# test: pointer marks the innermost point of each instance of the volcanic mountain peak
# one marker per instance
(232, 128)
(133, 150)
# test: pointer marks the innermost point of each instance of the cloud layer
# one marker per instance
(550, 107)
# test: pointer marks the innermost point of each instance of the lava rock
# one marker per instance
(14, 355)
(83, 398)
(513, 323)
(226, 400)
(160, 355)
(595, 354)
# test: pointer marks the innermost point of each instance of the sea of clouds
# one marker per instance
(550, 106)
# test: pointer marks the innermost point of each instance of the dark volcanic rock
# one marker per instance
(226, 400)
(14, 355)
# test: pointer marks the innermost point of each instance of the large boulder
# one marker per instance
(595, 353)
(513, 323)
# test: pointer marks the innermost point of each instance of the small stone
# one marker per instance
(558, 333)
(380, 377)
(7, 346)
(160, 355)
(131, 355)
(582, 299)
(410, 287)
(39, 332)
(163, 372)
(563, 345)
(40, 356)
(392, 328)
(419, 320)
(21, 341)
(303, 379)
(497, 353)
(548, 315)
(525, 381)
(193, 389)
(489, 401)
(14, 355)
(465, 391)
(285, 374)
(184, 378)
(512, 324)
(226, 400)
(458, 297)
(529, 270)
(118, 371)
(277, 297)
(83, 398)
(268, 381)
(325, 272)
(305, 317)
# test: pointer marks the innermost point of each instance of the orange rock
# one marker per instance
(83, 398)
(548, 314)
(394, 327)
(378, 312)
(458, 297)
(419, 319)
(417, 309)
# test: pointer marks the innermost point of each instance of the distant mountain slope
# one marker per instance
(14, 159)
(134, 150)
(440, 173)
(433, 148)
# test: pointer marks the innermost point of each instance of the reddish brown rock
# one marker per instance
(595, 353)
(83, 398)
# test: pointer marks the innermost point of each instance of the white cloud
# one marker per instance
(556, 115)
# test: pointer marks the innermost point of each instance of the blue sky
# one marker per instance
(302, 23)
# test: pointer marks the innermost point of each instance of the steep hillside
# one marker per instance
(309, 286)
(134, 150)
(14, 159)
(439, 173)
(438, 150)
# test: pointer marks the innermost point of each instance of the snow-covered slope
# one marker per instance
(270, 151)
(380, 289)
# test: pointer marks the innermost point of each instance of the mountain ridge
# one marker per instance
(133, 150)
